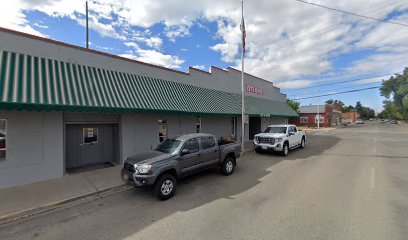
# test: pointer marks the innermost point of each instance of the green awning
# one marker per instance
(263, 107)
(36, 83)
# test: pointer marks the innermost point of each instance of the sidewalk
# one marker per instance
(30, 199)
(21, 201)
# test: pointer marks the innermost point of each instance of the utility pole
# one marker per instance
(318, 102)
(87, 26)
(242, 78)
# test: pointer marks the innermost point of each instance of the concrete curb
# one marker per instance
(56, 204)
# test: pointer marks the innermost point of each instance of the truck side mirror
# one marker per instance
(184, 151)
(291, 133)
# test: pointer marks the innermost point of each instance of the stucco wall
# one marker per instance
(140, 132)
(34, 145)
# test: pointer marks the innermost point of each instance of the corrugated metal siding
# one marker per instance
(35, 83)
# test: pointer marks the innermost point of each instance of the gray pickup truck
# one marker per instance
(176, 158)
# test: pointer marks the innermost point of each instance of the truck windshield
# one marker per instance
(168, 146)
(275, 130)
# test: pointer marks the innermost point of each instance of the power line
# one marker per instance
(352, 80)
(330, 94)
(354, 14)
(336, 89)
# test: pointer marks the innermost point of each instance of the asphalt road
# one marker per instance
(351, 183)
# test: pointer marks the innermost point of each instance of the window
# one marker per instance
(168, 146)
(198, 124)
(3, 134)
(192, 145)
(90, 135)
(207, 142)
(321, 120)
(275, 130)
(162, 130)
(304, 119)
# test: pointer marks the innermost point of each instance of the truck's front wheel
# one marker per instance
(285, 149)
(228, 166)
(303, 143)
(165, 187)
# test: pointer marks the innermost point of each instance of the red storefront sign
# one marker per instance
(254, 89)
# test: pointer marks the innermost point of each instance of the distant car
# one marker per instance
(360, 121)
(381, 121)
(386, 120)
(393, 122)
(371, 119)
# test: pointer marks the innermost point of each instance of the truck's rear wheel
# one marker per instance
(285, 149)
(165, 187)
(228, 166)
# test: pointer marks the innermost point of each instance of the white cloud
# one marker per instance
(105, 30)
(13, 17)
(174, 32)
(155, 57)
(40, 25)
(294, 84)
(201, 67)
(153, 42)
(152, 56)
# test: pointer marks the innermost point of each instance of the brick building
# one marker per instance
(330, 115)
(350, 117)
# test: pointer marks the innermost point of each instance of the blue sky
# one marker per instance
(289, 43)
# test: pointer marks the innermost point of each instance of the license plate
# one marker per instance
(264, 147)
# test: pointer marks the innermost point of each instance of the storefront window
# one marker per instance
(162, 130)
(90, 135)
(304, 120)
(3, 134)
(321, 119)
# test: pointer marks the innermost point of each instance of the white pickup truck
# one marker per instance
(279, 138)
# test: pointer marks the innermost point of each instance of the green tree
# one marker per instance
(391, 111)
(293, 104)
(331, 101)
(347, 108)
(396, 88)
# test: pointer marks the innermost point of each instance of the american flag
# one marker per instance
(243, 33)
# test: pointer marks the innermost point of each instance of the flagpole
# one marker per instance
(242, 82)
(87, 27)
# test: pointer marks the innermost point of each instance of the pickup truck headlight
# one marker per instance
(278, 140)
(257, 139)
(143, 169)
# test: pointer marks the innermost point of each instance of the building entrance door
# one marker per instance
(88, 144)
(254, 126)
